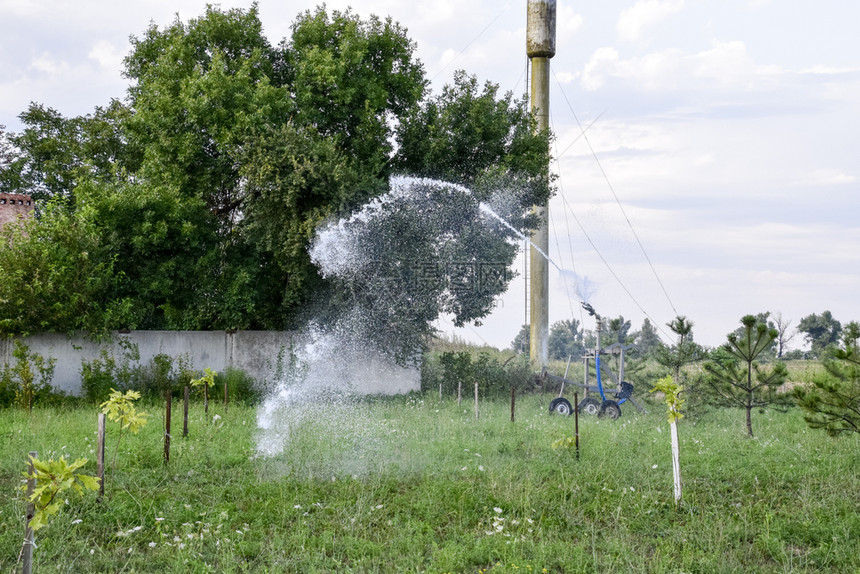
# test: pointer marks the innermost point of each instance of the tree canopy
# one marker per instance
(820, 331)
(195, 197)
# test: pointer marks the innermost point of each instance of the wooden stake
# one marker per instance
(225, 396)
(476, 400)
(513, 402)
(459, 392)
(100, 457)
(185, 414)
(29, 535)
(205, 398)
(167, 430)
(440, 392)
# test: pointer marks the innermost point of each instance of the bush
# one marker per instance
(241, 387)
(495, 377)
(27, 382)
(101, 375)
(165, 373)
(125, 373)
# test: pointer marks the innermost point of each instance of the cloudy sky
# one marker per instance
(716, 177)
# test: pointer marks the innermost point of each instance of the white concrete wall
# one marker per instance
(255, 352)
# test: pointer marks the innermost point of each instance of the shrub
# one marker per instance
(99, 376)
(28, 380)
(165, 373)
(241, 387)
(494, 376)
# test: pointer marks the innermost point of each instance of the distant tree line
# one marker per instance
(748, 371)
(568, 338)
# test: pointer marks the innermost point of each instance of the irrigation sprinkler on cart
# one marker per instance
(608, 405)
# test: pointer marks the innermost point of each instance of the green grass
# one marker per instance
(410, 485)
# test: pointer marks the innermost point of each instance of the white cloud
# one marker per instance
(633, 21)
(568, 21)
(726, 65)
(566, 77)
(830, 70)
(447, 57)
(107, 55)
(826, 176)
(28, 8)
(603, 63)
(438, 11)
(47, 64)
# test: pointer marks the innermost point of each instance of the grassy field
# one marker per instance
(412, 485)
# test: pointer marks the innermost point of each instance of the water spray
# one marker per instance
(580, 284)
(488, 210)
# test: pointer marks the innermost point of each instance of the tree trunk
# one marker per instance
(749, 397)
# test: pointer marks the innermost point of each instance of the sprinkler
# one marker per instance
(607, 406)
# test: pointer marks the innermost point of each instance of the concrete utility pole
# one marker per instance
(540, 47)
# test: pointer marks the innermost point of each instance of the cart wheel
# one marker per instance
(561, 406)
(610, 409)
(589, 406)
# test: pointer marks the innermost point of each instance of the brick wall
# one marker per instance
(13, 205)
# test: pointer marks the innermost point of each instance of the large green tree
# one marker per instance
(350, 78)
(296, 179)
(197, 89)
(204, 188)
(57, 274)
(164, 249)
(53, 154)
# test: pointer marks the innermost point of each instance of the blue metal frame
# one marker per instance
(600, 381)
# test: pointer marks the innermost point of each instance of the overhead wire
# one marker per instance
(472, 41)
(472, 329)
(569, 208)
(615, 195)
(582, 135)
(611, 270)
(569, 241)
